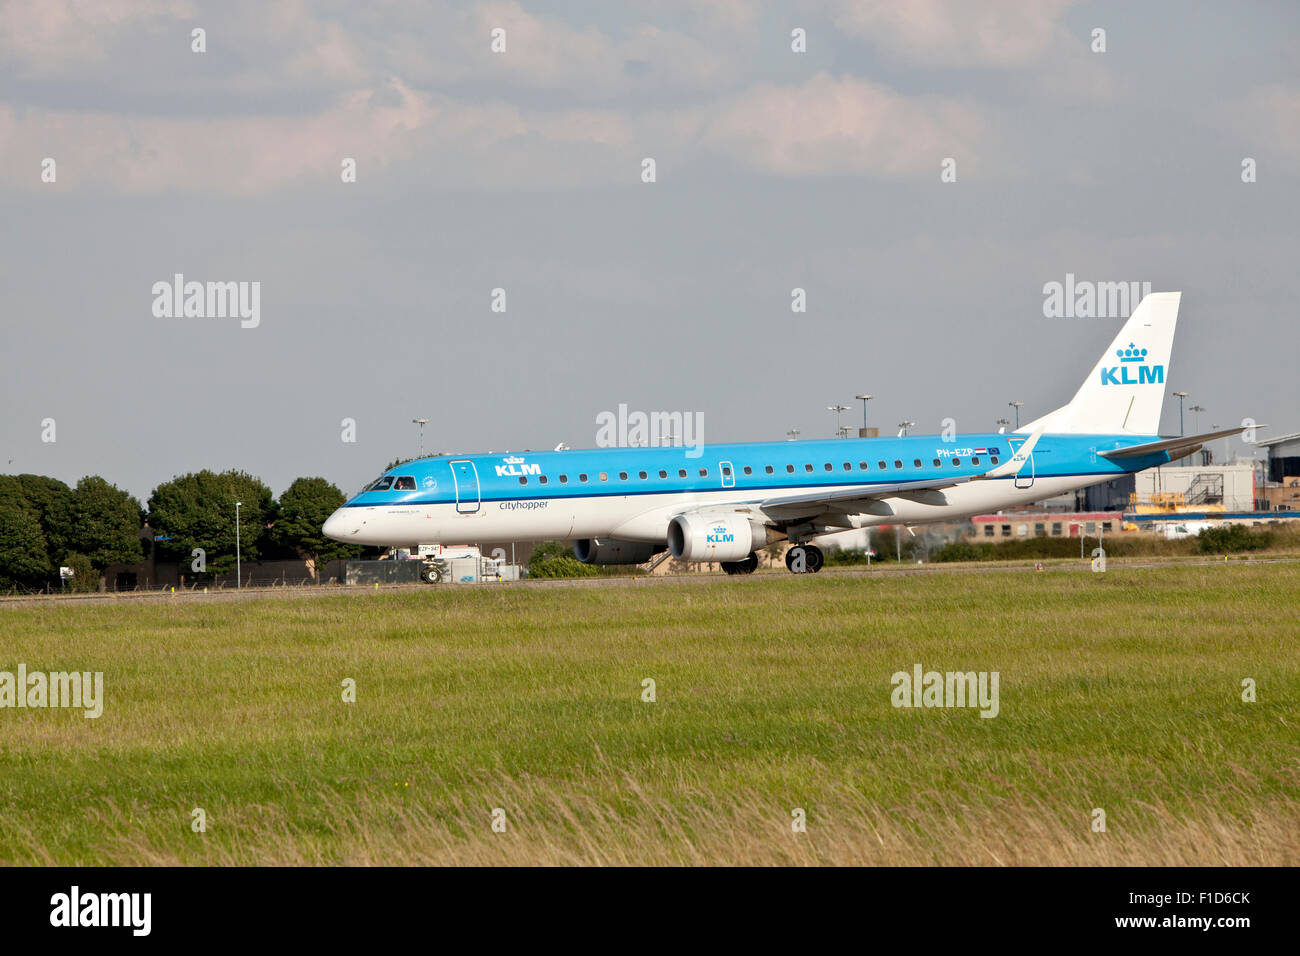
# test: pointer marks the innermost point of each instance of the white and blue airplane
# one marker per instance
(626, 505)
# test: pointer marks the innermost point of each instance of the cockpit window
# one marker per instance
(383, 484)
(404, 483)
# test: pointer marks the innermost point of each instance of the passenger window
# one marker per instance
(881, 464)
(726, 472)
(405, 483)
(993, 459)
(898, 463)
(582, 477)
(937, 463)
(807, 467)
(847, 466)
(748, 470)
(829, 466)
(564, 479)
(641, 475)
(916, 463)
(790, 469)
(622, 476)
(662, 473)
(768, 469)
(956, 462)
(523, 479)
(542, 479)
(862, 465)
(604, 476)
(704, 472)
(681, 472)
(974, 461)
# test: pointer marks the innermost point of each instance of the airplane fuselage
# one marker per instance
(631, 494)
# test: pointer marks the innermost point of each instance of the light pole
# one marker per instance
(793, 434)
(864, 398)
(239, 570)
(421, 422)
(903, 427)
(838, 410)
(1196, 420)
(1002, 424)
(1016, 406)
(1181, 396)
(1214, 427)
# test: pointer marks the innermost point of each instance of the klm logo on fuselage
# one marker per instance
(719, 536)
(515, 468)
(1122, 374)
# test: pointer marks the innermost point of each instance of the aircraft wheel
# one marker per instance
(731, 567)
(796, 559)
(814, 558)
(432, 576)
(749, 565)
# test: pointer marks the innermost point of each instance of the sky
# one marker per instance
(922, 170)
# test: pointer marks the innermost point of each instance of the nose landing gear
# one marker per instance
(804, 559)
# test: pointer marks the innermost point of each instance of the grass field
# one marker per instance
(1119, 691)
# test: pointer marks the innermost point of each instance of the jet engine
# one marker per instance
(702, 537)
(614, 551)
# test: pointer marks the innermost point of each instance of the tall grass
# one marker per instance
(1119, 692)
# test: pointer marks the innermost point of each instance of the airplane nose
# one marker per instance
(337, 525)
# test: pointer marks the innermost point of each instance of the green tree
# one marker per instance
(304, 506)
(23, 558)
(197, 510)
(104, 524)
(50, 502)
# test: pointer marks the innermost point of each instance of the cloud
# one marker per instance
(824, 126)
(953, 33)
(223, 155)
(1267, 122)
(45, 37)
(832, 126)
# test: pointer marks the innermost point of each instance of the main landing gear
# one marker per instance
(804, 559)
(745, 566)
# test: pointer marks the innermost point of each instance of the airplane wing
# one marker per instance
(1183, 445)
(857, 500)
(869, 500)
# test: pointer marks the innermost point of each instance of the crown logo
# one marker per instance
(514, 461)
(1131, 354)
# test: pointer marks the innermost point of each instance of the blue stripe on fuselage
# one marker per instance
(1056, 456)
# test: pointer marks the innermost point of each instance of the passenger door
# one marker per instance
(465, 475)
(1025, 478)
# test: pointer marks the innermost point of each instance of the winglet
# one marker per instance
(1017, 461)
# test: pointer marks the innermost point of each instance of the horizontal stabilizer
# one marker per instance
(1190, 442)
